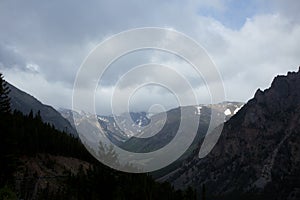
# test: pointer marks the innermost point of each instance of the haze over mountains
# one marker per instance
(174, 86)
(38, 161)
(142, 132)
(140, 120)
(257, 155)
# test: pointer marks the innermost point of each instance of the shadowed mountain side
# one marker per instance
(25, 103)
(258, 152)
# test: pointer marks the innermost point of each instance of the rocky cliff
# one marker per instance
(258, 153)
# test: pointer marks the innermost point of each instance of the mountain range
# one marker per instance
(256, 157)
(258, 153)
(137, 132)
(126, 130)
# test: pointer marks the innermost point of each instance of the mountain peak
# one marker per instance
(257, 150)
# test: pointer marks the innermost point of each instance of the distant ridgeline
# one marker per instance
(25, 103)
(38, 161)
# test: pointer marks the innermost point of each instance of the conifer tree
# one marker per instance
(4, 98)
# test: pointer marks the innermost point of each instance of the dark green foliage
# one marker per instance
(99, 182)
(7, 193)
(4, 99)
(28, 135)
(6, 158)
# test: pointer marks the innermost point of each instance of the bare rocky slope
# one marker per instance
(45, 172)
(258, 153)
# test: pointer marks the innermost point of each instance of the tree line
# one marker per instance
(29, 135)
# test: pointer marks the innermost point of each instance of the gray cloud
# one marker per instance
(51, 39)
(58, 35)
(289, 8)
(10, 58)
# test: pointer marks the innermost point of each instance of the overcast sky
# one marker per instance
(42, 44)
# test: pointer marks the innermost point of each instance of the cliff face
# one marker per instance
(259, 149)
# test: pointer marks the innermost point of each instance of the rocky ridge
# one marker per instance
(258, 151)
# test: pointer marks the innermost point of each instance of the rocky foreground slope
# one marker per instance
(258, 153)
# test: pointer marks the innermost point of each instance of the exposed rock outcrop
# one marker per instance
(258, 151)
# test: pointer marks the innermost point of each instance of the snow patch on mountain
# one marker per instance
(198, 110)
(227, 112)
(236, 110)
